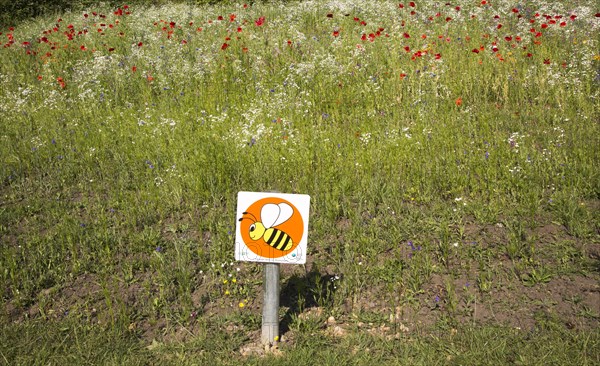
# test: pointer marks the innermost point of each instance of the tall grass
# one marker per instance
(127, 132)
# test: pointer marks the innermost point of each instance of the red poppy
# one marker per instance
(133, 68)
(329, 15)
(220, 17)
(448, 19)
(239, 29)
(39, 77)
(260, 21)
(140, 44)
(508, 38)
(82, 47)
(336, 33)
(224, 46)
(411, 4)
(407, 49)
(572, 17)
(475, 50)
(529, 55)
(499, 26)
(458, 101)
(232, 17)
(406, 35)
(546, 61)
(438, 56)
(401, 6)
(119, 12)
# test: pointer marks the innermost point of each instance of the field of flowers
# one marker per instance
(450, 150)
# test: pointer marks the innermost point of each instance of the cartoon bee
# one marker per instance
(271, 215)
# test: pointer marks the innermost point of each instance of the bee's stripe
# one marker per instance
(269, 236)
(277, 236)
(287, 243)
(278, 239)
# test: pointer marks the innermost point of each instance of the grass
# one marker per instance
(454, 187)
(83, 344)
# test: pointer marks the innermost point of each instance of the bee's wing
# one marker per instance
(273, 215)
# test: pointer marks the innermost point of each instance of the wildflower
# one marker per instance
(458, 101)
(260, 21)
(241, 305)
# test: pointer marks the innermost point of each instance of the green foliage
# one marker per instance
(444, 190)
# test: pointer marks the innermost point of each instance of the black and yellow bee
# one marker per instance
(271, 215)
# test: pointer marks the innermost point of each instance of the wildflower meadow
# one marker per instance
(450, 150)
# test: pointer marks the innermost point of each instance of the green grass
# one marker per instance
(77, 344)
(454, 193)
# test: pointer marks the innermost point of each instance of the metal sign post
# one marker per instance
(272, 228)
(270, 318)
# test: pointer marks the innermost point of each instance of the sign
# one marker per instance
(271, 227)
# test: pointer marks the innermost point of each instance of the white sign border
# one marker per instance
(243, 253)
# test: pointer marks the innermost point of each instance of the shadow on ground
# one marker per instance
(303, 292)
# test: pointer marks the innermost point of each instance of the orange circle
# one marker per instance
(293, 227)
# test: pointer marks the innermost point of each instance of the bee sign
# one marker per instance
(271, 227)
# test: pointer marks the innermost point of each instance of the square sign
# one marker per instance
(271, 227)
